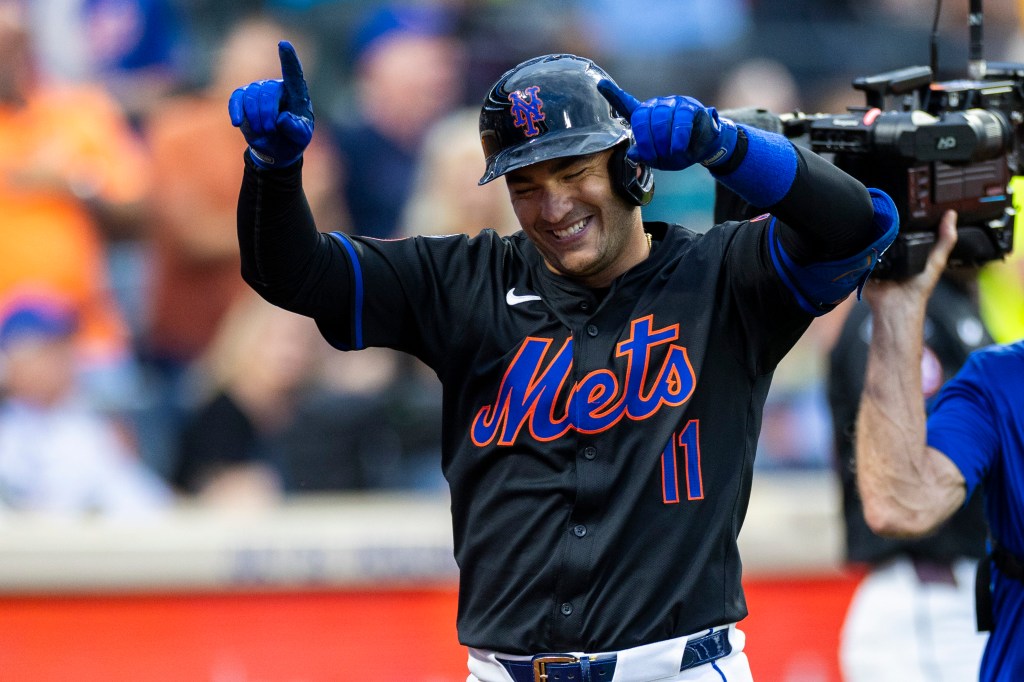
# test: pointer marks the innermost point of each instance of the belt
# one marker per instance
(933, 572)
(564, 667)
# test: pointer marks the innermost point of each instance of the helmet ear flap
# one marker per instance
(632, 180)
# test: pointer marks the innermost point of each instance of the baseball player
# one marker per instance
(603, 377)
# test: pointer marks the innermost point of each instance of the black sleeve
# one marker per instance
(408, 294)
(824, 213)
(822, 217)
(284, 257)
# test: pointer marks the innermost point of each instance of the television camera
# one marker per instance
(933, 146)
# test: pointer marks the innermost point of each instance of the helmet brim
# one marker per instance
(555, 147)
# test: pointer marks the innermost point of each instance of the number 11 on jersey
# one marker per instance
(687, 443)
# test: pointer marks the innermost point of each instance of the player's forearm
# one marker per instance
(895, 473)
(283, 254)
(827, 214)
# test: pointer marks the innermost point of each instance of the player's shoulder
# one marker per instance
(761, 220)
(485, 238)
(488, 248)
(995, 371)
(672, 233)
(719, 233)
(1007, 359)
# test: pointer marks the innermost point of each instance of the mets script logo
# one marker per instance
(526, 109)
(535, 393)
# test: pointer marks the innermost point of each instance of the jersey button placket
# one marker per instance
(588, 356)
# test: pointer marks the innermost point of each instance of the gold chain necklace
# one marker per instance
(650, 245)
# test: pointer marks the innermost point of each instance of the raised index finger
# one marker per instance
(621, 101)
(291, 70)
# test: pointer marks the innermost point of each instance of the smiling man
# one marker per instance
(568, 209)
(604, 377)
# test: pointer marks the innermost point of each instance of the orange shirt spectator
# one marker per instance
(67, 157)
(59, 151)
(194, 259)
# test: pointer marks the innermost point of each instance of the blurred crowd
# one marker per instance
(137, 369)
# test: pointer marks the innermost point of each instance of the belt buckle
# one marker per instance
(541, 663)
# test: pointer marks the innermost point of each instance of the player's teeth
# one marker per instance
(571, 230)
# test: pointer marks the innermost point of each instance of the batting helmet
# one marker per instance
(549, 107)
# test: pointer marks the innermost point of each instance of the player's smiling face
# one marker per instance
(580, 225)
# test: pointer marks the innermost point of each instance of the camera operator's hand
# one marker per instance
(275, 116)
(909, 297)
(673, 133)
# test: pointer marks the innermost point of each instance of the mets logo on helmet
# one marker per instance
(526, 109)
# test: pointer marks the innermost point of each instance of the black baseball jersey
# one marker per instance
(953, 329)
(598, 444)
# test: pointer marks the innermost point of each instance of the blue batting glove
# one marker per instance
(275, 116)
(673, 133)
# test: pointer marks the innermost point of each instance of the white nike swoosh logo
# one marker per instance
(512, 299)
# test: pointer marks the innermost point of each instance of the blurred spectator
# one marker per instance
(257, 370)
(760, 82)
(136, 48)
(192, 249)
(374, 426)
(408, 74)
(445, 197)
(57, 454)
(72, 172)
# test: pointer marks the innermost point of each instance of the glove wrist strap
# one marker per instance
(732, 162)
(765, 171)
(726, 146)
(267, 162)
(261, 160)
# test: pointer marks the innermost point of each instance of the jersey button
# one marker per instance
(566, 609)
(584, 306)
(592, 329)
(590, 452)
(579, 530)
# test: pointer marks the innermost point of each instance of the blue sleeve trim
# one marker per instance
(766, 172)
(781, 262)
(357, 281)
(819, 287)
(887, 216)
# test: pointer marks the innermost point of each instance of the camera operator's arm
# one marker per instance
(907, 487)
